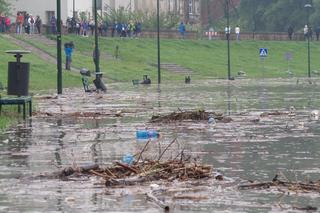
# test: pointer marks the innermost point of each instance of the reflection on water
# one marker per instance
(251, 147)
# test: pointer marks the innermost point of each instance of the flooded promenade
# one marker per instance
(78, 128)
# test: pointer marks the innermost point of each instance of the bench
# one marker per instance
(18, 101)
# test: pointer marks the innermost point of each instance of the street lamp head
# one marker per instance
(307, 6)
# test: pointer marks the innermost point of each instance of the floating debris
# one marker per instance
(44, 97)
(306, 208)
(199, 115)
(181, 168)
(79, 114)
(289, 185)
(314, 115)
(274, 113)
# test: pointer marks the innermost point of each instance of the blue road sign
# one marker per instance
(263, 52)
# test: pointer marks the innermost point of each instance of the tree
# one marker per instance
(283, 13)
(186, 10)
(168, 20)
(275, 15)
(315, 17)
(4, 7)
(252, 13)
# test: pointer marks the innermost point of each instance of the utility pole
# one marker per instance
(308, 7)
(73, 10)
(228, 38)
(96, 42)
(59, 59)
(158, 41)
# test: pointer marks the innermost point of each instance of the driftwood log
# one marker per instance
(199, 115)
(293, 186)
(68, 171)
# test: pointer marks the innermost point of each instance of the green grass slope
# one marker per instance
(207, 59)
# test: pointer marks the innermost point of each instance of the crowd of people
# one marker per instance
(86, 28)
(27, 23)
(307, 32)
(5, 23)
(24, 23)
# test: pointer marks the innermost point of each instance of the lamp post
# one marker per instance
(308, 7)
(97, 56)
(158, 40)
(73, 10)
(227, 31)
(59, 59)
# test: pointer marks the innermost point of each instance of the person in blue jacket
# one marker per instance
(182, 29)
(68, 49)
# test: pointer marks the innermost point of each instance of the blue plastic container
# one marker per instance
(128, 159)
(147, 134)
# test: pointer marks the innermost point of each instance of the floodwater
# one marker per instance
(247, 148)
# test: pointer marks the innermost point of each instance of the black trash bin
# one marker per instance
(18, 74)
(18, 78)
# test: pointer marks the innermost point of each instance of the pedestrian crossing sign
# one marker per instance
(263, 52)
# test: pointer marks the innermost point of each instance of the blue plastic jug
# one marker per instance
(147, 134)
(128, 159)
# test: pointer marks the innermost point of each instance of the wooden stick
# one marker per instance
(98, 174)
(166, 148)
(180, 154)
(127, 167)
(160, 203)
(296, 185)
(256, 185)
(125, 181)
(307, 208)
(190, 197)
(108, 170)
(149, 172)
(144, 148)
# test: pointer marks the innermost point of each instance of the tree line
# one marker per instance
(276, 15)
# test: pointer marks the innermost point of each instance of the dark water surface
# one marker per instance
(242, 149)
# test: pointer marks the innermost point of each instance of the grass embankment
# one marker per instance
(207, 59)
(43, 76)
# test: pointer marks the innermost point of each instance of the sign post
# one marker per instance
(288, 57)
(263, 52)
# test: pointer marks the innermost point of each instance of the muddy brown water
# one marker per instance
(58, 136)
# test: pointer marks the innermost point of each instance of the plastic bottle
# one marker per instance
(128, 159)
(147, 134)
(211, 120)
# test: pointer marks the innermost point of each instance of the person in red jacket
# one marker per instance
(8, 24)
(19, 23)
